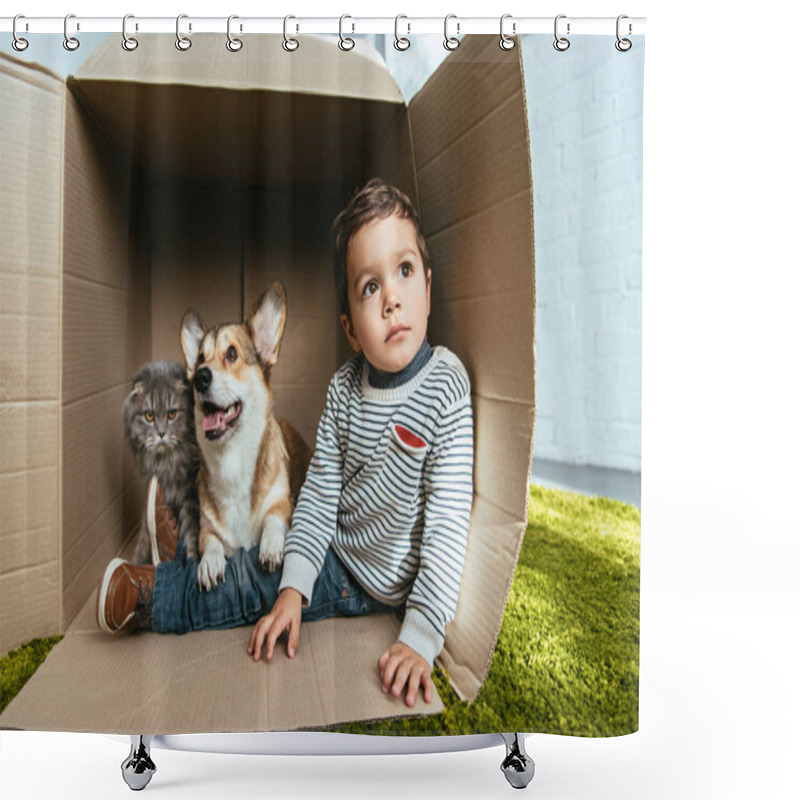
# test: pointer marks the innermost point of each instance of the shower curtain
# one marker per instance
(139, 182)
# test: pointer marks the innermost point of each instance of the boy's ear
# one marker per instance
(267, 323)
(347, 324)
(192, 333)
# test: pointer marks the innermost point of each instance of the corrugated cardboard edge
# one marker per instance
(31, 65)
(533, 350)
(62, 613)
(469, 694)
(74, 88)
(414, 171)
(107, 63)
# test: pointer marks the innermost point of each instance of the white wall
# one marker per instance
(585, 119)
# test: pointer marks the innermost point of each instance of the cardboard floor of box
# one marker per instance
(204, 681)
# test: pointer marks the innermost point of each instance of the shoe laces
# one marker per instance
(144, 604)
(170, 514)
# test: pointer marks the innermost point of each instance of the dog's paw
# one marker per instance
(211, 568)
(273, 539)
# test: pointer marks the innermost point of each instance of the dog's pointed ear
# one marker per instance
(267, 323)
(192, 333)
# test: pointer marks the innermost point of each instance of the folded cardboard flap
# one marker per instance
(476, 201)
(197, 178)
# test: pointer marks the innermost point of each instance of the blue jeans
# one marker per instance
(249, 592)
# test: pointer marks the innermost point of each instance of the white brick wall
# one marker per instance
(585, 117)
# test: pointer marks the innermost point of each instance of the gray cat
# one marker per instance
(159, 424)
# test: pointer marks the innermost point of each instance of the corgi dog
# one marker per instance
(252, 464)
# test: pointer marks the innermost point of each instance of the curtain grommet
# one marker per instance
(183, 43)
(345, 42)
(561, 43)
(233, 44)
(289, 44)
(506, 42)
(129, 43)
(401, 43)
(19, 44)
(70, 42)
(450, 42)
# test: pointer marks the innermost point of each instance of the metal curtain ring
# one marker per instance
(561, 43)
(70, 42)
(19, 44)
(400, 42)
(182, 42)
(623, 45)
(450, 42)
(290, 45)
(345, 42)
(506, 42)
(128, 42)
(233, 44)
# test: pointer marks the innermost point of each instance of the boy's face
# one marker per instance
(389, 293)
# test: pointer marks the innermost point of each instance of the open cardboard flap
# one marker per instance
(196, 179)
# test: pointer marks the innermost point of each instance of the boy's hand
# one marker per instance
(401, 665)
(285, 616)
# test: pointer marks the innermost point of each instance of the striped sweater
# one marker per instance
(390, 488)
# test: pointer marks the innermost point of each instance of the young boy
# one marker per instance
(382, 519)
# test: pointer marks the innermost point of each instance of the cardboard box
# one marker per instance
(157, 180)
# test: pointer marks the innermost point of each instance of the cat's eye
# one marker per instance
(172, 413)
(149, 415)
(201, 359)
(231, 354)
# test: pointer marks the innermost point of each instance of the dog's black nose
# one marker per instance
(202, 379)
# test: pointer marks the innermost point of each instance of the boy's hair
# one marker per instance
(376, 200)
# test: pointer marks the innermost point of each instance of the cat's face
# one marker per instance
(158, 415)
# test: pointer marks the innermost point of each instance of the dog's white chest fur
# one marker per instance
(230, 473)
(231, 483)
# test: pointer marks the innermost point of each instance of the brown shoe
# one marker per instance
(161, 525)
(125, 597)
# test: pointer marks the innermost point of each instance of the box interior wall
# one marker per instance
(156, 220)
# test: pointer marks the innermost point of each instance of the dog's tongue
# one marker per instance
(213, 421)
(218, 420)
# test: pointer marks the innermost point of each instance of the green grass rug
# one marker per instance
(17, 666)
(567, 656)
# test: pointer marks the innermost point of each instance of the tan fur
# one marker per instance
(251, 474)
(299, 456)
(273, 461)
